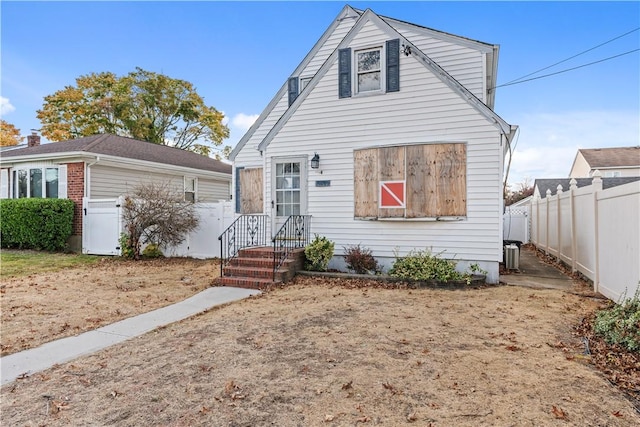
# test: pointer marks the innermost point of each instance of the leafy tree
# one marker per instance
(523, 190)
(142, 105)
(156, 214)
(9, 134)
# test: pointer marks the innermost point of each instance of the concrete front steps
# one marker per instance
(253, 269)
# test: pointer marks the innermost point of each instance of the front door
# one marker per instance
(288, 195)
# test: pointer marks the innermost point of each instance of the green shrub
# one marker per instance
(423, 265)
(318, 253)
(41, 224)
(126, 246)
(152, 251)
(620, 324)
(360, 259)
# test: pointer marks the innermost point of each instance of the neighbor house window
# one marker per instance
(612, 174)
(368, 70)
(38, 182)
(51, 183)
(190, 186)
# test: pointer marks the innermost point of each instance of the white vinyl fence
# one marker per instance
(515, 223)
(102, 225)
(595, 232)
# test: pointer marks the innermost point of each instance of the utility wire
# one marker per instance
(513, 82)
(574, 56)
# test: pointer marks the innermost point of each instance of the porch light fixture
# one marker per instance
(315, 161)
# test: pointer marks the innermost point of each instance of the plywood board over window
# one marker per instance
(251, 191)
(435, 177)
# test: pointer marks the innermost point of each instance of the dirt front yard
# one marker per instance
(38, 308)
(335, 353)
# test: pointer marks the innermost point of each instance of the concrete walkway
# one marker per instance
(535, 273)
(63, 350)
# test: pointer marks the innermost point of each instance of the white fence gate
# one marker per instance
(102, 225)
(515, 224)
(595, 231)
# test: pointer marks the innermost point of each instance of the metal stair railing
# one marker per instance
(295, 233)
(245, 232)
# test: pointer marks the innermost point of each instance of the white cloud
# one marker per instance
(548, 143)
(225, 119)
(243, 121)
(5, 106)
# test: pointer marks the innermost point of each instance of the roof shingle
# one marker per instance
(611, 157)
(128, 148)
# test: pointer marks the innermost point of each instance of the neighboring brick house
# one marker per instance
(105, 167)
(615, 162)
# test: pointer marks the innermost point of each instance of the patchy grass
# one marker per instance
(14, 263)
(41, 307)
(324, 352)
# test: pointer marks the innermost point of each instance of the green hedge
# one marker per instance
(43, 224)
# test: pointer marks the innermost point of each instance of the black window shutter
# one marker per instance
(293, 89)
(237, 195)
(344, 73)
(393, 65)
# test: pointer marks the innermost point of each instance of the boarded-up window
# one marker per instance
(251, 191)
(429, 180)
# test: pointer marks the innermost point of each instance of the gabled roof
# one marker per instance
(118, 146)
(552, 183)
(438, 71)
(347, 12)
(387, 25)
(611, 157)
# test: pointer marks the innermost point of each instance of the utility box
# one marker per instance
(512, 257)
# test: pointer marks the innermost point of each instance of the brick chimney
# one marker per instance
(33, 140)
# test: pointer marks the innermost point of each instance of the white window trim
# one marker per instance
(13, 193)
(354, 71)
(304, 81)
(195, 187)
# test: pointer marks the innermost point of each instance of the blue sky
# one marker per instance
(238, 54)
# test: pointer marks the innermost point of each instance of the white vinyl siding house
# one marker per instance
(427, 110)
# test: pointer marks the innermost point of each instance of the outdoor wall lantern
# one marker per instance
(315, 161)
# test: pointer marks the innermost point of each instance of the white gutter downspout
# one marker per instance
(87, 175)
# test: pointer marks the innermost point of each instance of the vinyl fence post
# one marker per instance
(596, 187)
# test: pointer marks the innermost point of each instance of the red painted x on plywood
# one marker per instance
(392, 194)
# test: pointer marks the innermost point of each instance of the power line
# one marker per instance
(574, 56)
(513, 82)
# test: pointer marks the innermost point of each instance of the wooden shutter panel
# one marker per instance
(391, 168)
(393, 65)
(365, 183)
(344, 73)
(62, 182)
(252, 191)
(293, 89)
(237, 195)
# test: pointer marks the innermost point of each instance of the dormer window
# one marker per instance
(368, 70)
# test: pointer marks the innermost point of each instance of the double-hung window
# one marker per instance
(190, 187)
(368, 70)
